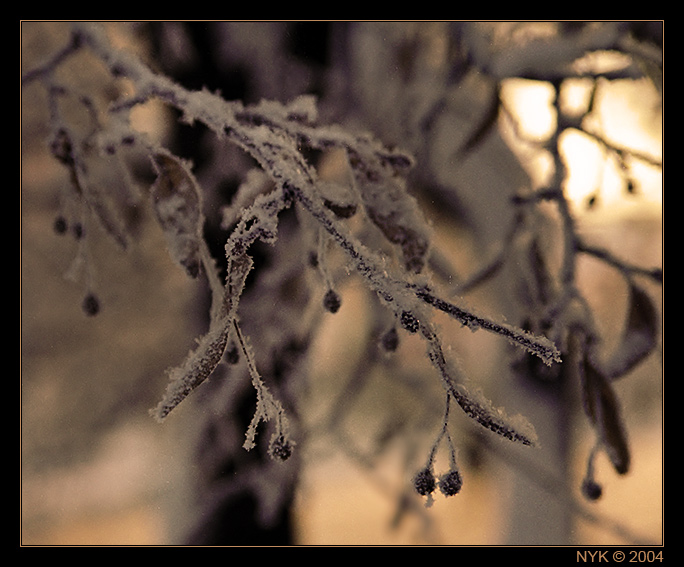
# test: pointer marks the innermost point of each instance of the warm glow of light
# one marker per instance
(531, 103)
(627, 115)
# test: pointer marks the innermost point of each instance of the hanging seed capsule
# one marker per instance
(390, 340)
(451, 483)
(232, 353)
(280, 448)
(424, 482)
(91, 305)
(78, 230)
(60, 225)
(591, 489)
(61, 147)
(332, 301)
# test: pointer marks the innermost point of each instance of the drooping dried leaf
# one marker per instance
(202, 362)
(177, 206)
(69, 151)
(397, 215)
(542, 279)
(640, 334)
(196, 369)
(475, 405)
(602, 408)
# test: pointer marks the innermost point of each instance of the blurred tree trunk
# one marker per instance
(245, 62)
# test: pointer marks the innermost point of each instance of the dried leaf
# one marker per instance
(542, 279)
(602, 408)
(70, 152)
(196, 369)
(177, 205)
(107, 213)
(639, 336)
(201, 363)
(397, 215)
(474, 404)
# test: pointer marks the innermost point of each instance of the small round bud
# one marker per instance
(192, 266)
(332, 301)
(409, 322)
(60, 225)
(390, 340)
(424, 482)
(451, 483)
(232, 353)
(79, 231)
(61, 147)
(591, 489)
(91, 305)
(280, 448)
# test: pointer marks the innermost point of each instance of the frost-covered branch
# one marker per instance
(277, 136)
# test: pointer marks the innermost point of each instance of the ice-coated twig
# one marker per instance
(392, 290)
(656, 274)
(515, 429)
(274, 135)
(267, 406)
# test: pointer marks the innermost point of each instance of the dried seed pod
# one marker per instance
(424, 482)
(78, 230)
(451, 483)
(91, 305)
(332, 301)
(280, 448)
(60, 225)
(61, 147)
(390, 340)
(591, 489)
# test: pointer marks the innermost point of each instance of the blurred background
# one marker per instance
(476, 103)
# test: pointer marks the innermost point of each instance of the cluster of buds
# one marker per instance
(449, 484)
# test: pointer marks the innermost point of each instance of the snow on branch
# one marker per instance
(276, 135)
